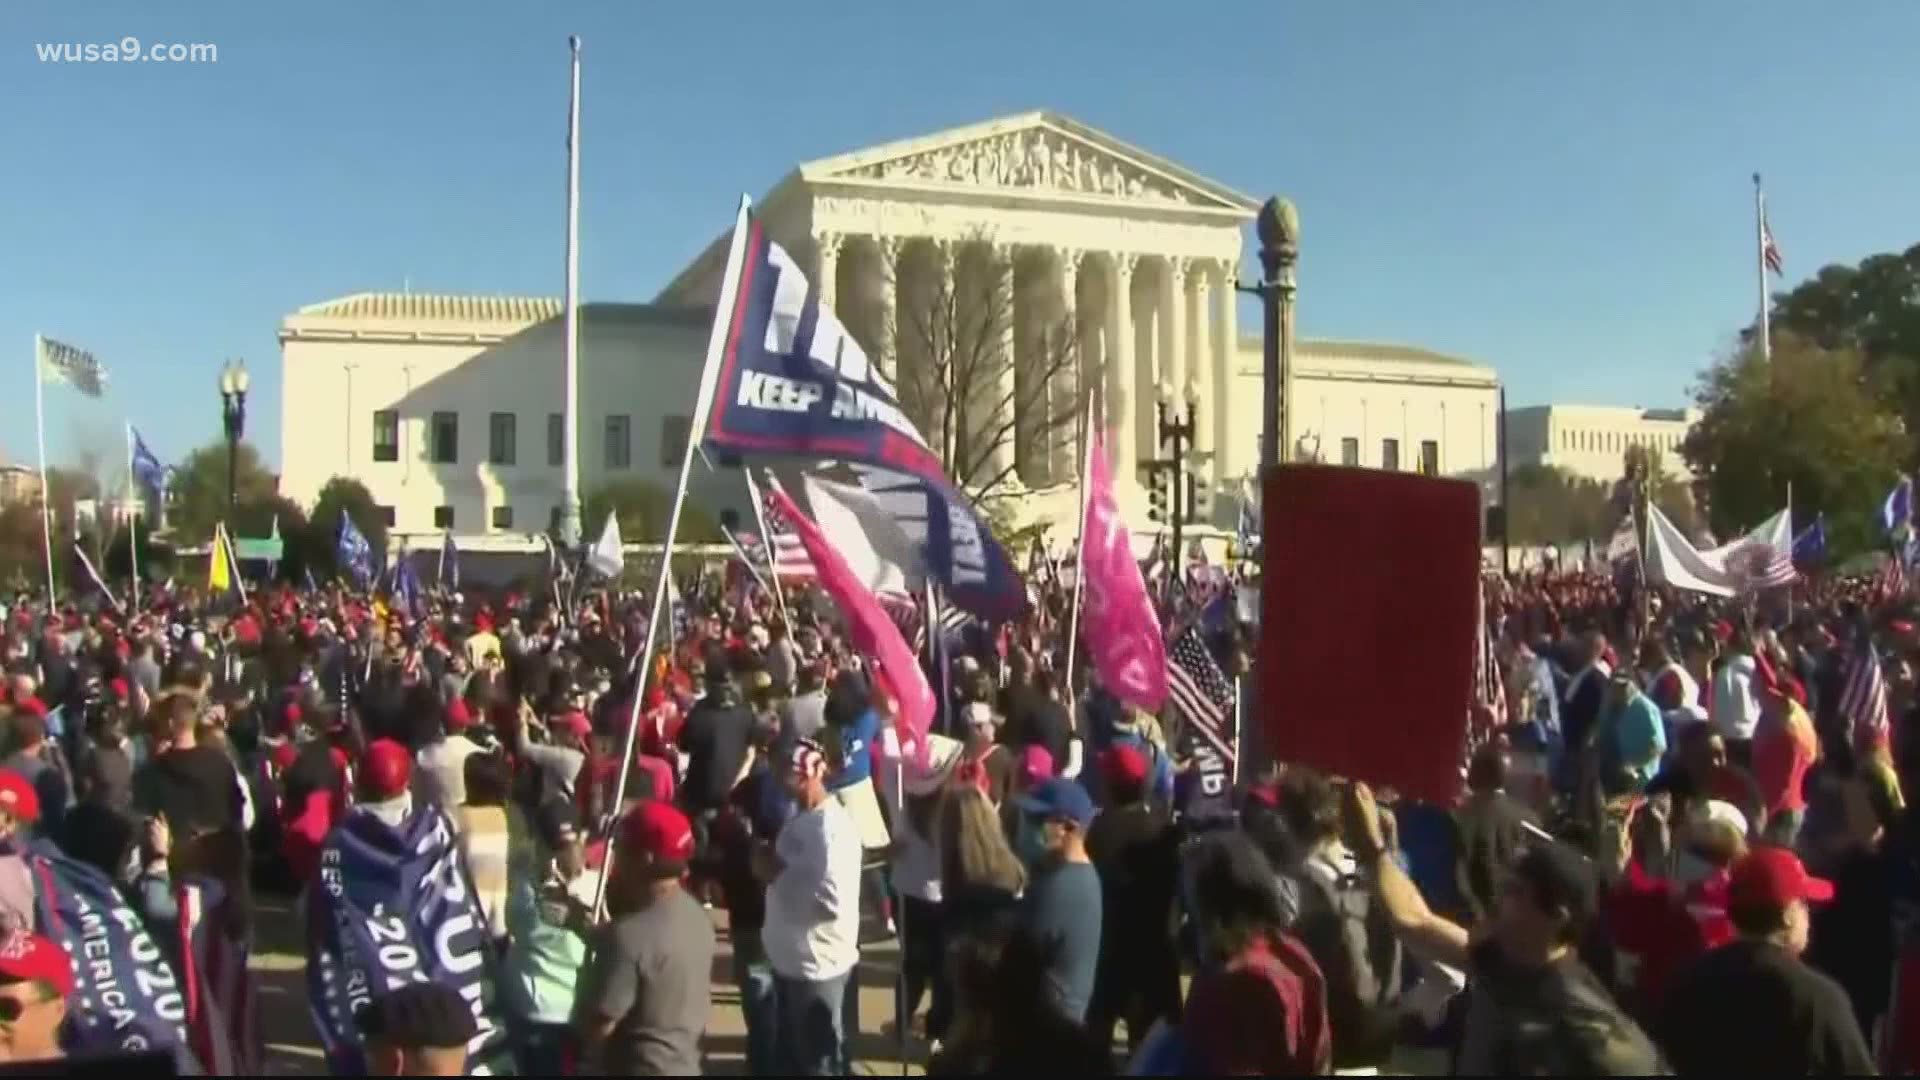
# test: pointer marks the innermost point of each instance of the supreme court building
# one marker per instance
(1117, 269)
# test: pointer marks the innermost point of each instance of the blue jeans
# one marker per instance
(754, 975)
(813, 1037)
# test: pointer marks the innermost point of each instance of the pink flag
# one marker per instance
(1122, 631)
(873, 631)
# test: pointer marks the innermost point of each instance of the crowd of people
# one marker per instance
(1682, 843)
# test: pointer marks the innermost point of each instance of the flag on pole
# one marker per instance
(220, 568)
(1762, 559)
(607, 556)
(406, 587)
(1199, 690)
(222, 1003)
(873, 632)
(1863, 699)
(1120, 627)
(1770, 251)
(1891, 583)
(793, 382)
(874, 545)
(147, 470)
(1896, 511)
(449, 562)
(353, 552)
(1810, 547)
(1625, 543)
(62, 363)
(93, 575)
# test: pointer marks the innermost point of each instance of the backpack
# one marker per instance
(1352, 940)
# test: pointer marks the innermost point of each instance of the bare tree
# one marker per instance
(990, 426)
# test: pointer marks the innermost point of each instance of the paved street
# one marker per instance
(294, 1050)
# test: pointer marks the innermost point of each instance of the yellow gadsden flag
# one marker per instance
(219, 565)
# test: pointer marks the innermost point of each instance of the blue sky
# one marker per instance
(1559, 190)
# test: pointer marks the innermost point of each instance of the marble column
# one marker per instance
(827, 272)
(1232, 459)
(1171, 372)
(1121, 401)
(1003, 403)
(887, 350)
(1069, 381)
(940, 354)
(1199, 389)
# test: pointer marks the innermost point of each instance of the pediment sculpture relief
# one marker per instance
(1034, 159)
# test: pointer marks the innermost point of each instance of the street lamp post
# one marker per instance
(233, 409)
(1175, 431)
(1278, 227)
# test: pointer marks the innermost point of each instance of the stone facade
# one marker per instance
(1592, 440)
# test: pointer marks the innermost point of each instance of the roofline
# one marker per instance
(820, 169)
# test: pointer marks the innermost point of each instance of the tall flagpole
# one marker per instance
(133, 527)
(570, 525)
(1760, 265)
(1080, 544)
(40, 437)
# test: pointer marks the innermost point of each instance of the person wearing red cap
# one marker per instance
(385, 779)
(443, 761)
(1134, 850)
(645, 1000)
(36, 978)
(1753, 1007)
(19, 810)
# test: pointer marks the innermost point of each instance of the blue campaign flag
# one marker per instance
(1896, 513)
(449, 562)
(1810, 546)
(406, 587)
(353, 551)
(147, 470)
(792, 382)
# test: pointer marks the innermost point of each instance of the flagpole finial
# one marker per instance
(1756, 179)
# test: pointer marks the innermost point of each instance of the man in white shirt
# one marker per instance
(442, 778)
(812, 932)
(1736, 708)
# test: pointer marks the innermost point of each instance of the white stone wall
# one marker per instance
(637, 362)
(1591, 441)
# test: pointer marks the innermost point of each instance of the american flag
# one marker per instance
(1199, 689)
(1770, 251)
(1891, 584)
(790, 560)
(1863, 700)
(222, 1003)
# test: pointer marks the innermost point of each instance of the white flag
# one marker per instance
(877, 549)
(1761, 559)
(77, 368)
(606, 557)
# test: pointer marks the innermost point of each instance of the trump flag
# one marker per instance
(792, 382)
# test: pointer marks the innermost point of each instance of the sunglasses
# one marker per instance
(13, 1008)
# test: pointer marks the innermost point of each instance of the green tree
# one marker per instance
(21, 561)
(1548, 505)
(1872, 309)
(199, 489)
(1673, 495)
(342, 493)
(157, 562)
(1811, 418)
(642, 508)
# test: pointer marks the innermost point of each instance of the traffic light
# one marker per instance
(1157, 508)
(1199, 498)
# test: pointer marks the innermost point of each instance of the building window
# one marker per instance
(673, 440)
(1390, 454)
(1349, 451)
(445, 448)
(556, 439)
(386, 435)
(503, 517)
(501, 439)
(443, 517)
(386, 515)
(1429, 458)
(619, 441)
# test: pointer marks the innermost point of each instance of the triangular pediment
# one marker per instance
(1039, 153)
